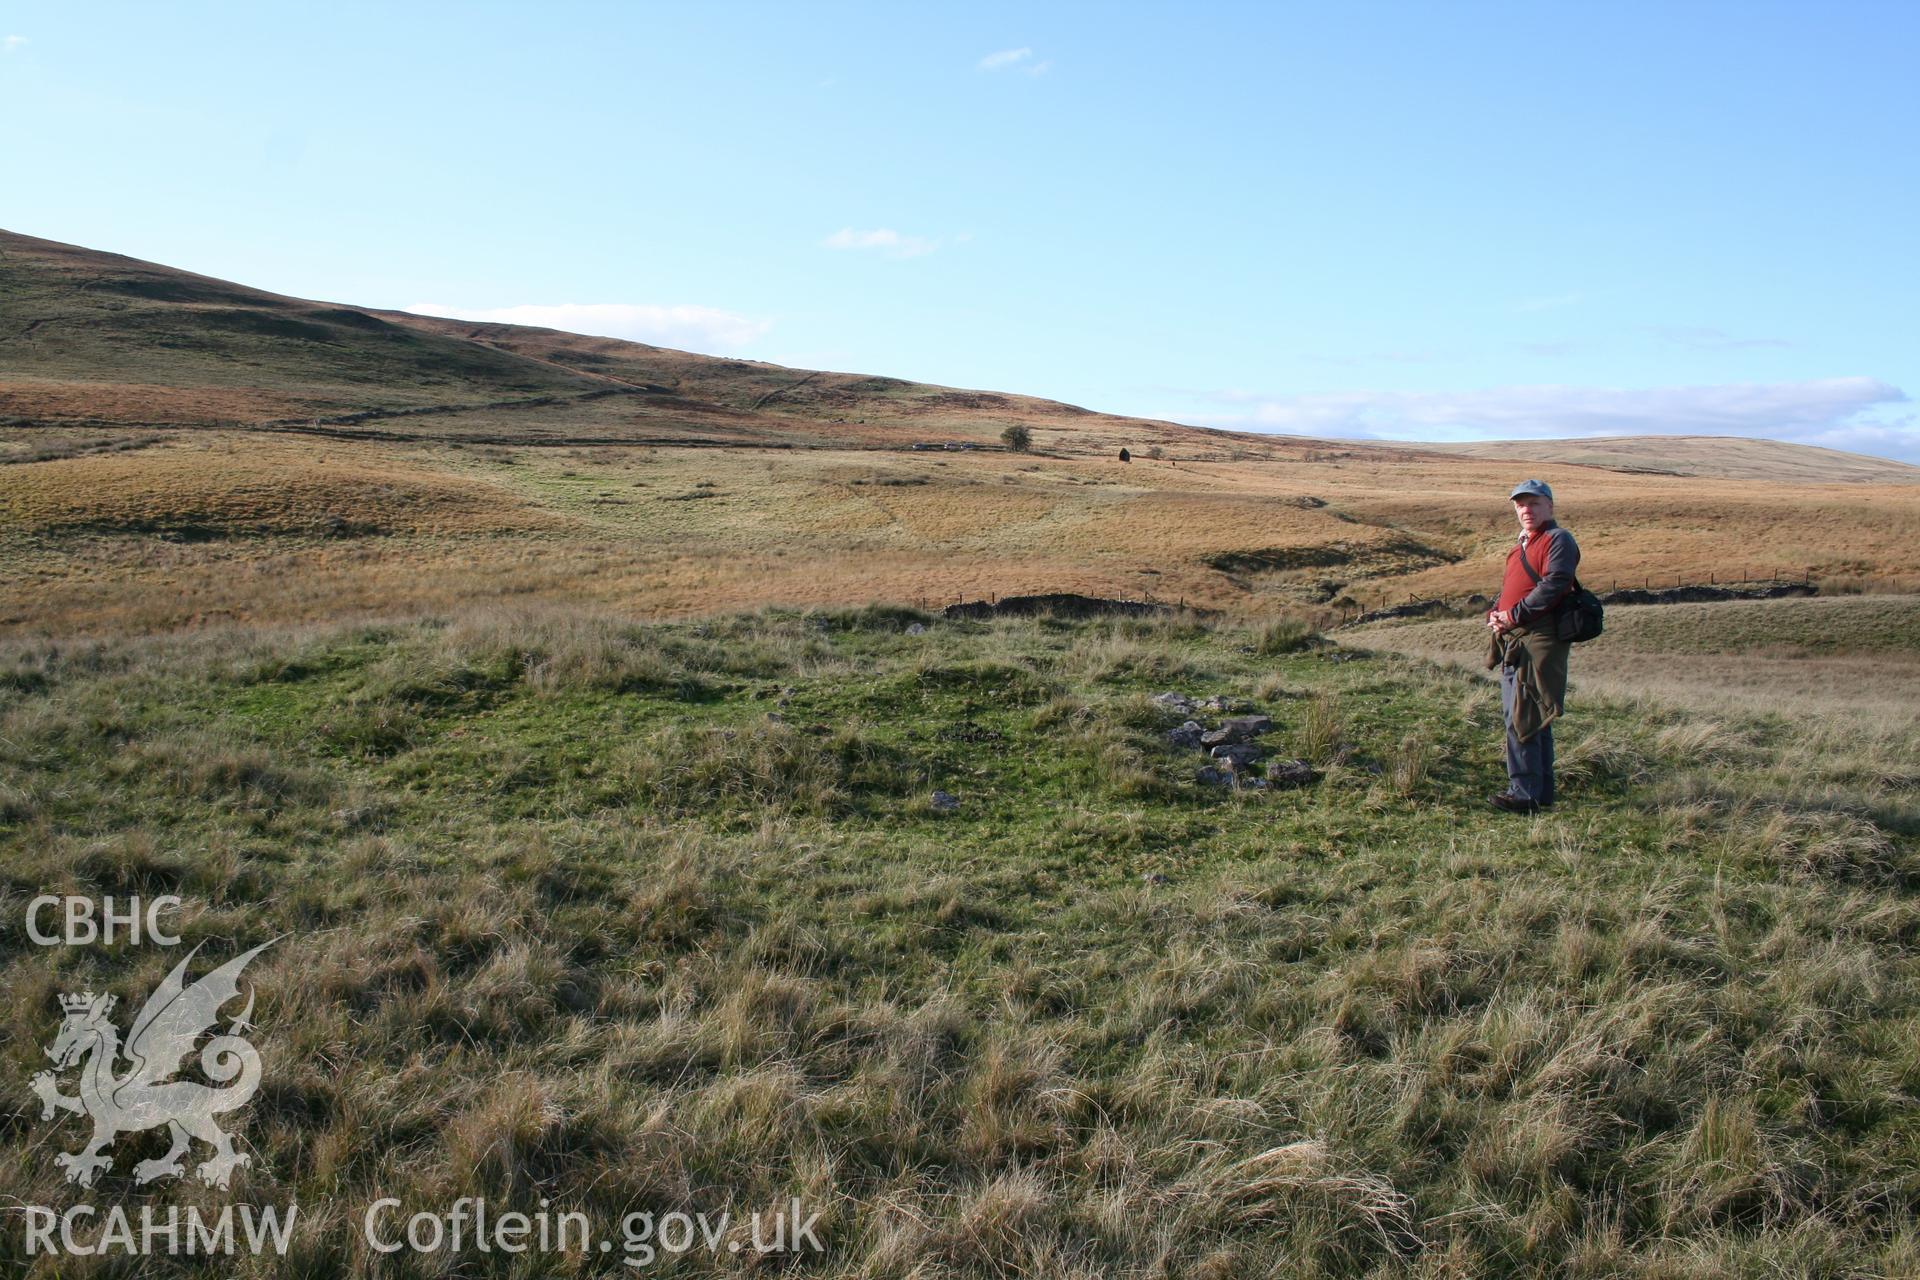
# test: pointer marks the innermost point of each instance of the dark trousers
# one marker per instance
(1529, 763)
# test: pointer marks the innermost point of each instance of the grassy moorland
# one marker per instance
(654, 916)
(178, 450)
(142, 535)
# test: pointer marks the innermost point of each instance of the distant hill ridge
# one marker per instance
(1725, 457)
(95, 338)
(91, 338)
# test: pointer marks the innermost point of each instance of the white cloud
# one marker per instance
(688, 328)
(1014, 59)
(1899, 439)
(883, 239)
(1819, 411)
(12, 42)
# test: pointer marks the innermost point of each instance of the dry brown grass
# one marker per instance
(136, 402)
(229, 524)
(813, 493)
(208, 489)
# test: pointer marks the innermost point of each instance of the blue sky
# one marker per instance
(1418, 221)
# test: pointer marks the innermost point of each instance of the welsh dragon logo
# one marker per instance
(145, 1095)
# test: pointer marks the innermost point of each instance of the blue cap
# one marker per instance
(1538, 487)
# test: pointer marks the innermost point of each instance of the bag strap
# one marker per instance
(1528, 566)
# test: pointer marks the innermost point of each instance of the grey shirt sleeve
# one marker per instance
(1563, 556)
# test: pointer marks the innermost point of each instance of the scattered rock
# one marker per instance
(1290, 773)
(1211, 777)
(1153, 877)
(1221, 702)
(776, 717)
(944, 803)
(1237, 755)
(1174, 702)
(1187, 737)
(915, 628)
(1237, 729)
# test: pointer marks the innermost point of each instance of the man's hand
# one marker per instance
(1501, 620)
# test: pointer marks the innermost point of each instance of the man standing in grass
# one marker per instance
(1526, 645)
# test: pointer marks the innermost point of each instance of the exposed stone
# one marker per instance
(1187, 737)
(1238, 755)
(944, 803)
(1237, 729)
(1290, 773)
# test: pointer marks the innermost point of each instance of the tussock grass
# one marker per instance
(1284, 635)
(566, 915)
(1322, 731)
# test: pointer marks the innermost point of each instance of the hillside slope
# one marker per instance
(94, 338)
(177, 450)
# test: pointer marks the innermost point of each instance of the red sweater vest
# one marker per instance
(1515, 586)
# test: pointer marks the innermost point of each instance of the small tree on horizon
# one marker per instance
(1017, 438)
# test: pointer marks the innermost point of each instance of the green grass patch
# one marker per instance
(602, 914)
